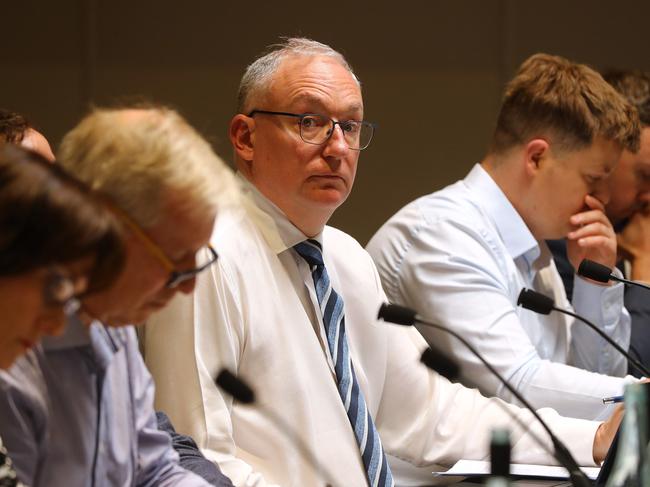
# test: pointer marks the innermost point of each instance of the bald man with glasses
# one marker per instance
(84, 415)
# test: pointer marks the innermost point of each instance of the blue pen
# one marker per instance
(612, 400)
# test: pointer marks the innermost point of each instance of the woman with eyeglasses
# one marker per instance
(57, 242)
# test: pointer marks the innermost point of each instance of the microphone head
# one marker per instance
(233, 385)
(399, 315)
(439, 362)
(535, 301)
(500, 452)
(594, 270)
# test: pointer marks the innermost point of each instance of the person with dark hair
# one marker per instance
(462, 255)
(58, 242)
(629, 212)
(53, 231)
(16, 129)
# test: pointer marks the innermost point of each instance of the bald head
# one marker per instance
(16, 129)
(36, 141)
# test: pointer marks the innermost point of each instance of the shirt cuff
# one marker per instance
(578, 435)
(602, 304)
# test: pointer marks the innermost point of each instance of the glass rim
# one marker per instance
(370, 126)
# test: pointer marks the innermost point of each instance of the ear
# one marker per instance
(536, 152)
(242, 136)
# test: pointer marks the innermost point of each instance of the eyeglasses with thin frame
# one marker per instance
(317, 129)
(176, 277)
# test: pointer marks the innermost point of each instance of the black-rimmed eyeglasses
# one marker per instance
(317, 129)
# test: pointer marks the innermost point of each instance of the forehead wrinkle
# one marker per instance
(311, 99)
(319, 83)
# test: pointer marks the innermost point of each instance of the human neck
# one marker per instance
(505, 173)
(307, 222)
(309, 219)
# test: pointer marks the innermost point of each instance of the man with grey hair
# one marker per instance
(80, 410)
(291, 307)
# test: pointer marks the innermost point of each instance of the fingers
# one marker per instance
(590, 216)
(593, 236)
(592, 229)
(594, 203)
(595, 242)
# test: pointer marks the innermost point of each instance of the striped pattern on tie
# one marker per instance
(331, 307)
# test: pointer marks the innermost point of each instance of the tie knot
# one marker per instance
(311, 251)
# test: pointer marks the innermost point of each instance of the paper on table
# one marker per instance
(470, 468)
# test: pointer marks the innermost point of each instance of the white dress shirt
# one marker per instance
(460, 257)
(255, 313)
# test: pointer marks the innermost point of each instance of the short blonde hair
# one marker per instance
(137, 156)
(568, 102)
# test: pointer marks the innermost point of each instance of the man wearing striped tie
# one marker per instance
(291, 307)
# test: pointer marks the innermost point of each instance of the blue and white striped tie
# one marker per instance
(331, 307)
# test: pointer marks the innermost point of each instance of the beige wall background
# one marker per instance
(432, 71)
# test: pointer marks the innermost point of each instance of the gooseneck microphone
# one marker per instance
(238, 389)
(401, 315)
(432, 357)
(539, 303)
(601, 273)
(436, 360)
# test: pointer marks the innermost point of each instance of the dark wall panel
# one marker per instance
(432, 72)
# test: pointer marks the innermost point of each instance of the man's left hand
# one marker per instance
(594, 236)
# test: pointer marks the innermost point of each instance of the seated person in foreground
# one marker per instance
(58, 242)
(98, 425)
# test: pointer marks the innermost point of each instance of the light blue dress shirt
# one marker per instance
(460, 257)
(79, 412)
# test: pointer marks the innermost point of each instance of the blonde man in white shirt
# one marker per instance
(258, 312)
(462, 255)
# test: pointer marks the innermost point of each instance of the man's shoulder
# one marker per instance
(335, 238)
(25, 374)
(346, 257)
(231, 223)
(23, 387)
(446, 214)
(455, 202)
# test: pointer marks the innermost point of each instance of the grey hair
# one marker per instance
(259, 73)
(137, 160)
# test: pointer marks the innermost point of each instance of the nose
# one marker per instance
(602, 192)
(336, 145)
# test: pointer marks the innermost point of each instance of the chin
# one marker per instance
(329, 197)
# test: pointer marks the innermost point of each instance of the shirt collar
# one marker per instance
(511, 227)
(279, 233)
(96, 337)
(75, 335)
